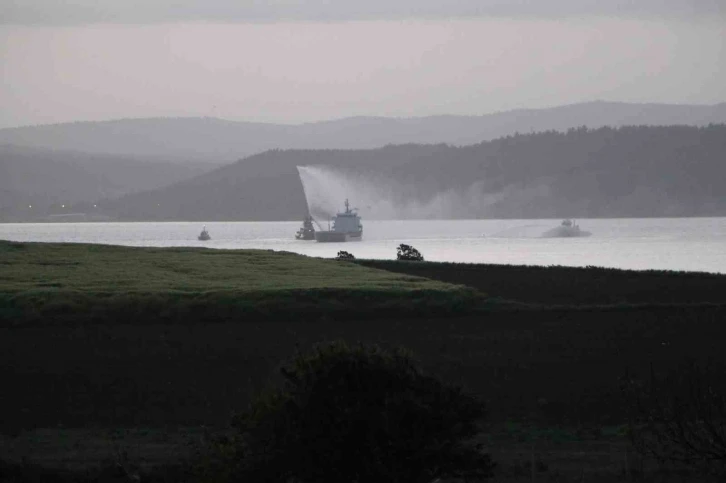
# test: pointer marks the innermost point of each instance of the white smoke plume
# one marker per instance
(326, 190)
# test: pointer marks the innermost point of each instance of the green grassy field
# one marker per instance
(100, 269)
(76, 283)
(549, 371)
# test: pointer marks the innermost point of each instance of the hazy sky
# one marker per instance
(297, 61)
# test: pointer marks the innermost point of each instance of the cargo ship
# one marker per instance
(346, 226)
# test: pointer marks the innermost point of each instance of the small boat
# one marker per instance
(568, 228)
(204, 235)
(346, 227)
(307, 230)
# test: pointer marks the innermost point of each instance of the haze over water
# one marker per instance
(693, 244)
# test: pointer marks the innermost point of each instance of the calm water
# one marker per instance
(672, 244)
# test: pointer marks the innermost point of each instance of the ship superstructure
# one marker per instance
(346, 226)
(307, 231)
(568, 228)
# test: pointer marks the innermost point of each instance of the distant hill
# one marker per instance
(636, 171)
(47, 179)
(209, 139)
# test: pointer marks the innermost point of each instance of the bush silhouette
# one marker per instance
(343, 255)
(407, 252)
(681, 417)
(360, 414)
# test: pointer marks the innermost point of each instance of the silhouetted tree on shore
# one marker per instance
(407, 252)
(343, 255)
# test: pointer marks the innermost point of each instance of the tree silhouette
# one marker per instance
(343, 255)
(681, 417)
(360, 414)
(407, 252)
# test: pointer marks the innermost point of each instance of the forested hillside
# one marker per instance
(606, 172)
(35, 182)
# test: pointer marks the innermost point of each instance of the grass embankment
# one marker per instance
(76, 283)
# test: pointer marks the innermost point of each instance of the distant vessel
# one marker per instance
(204, 235)
(307, 231)
(568, 228)
(346, 227)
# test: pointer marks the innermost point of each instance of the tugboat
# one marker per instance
(568, 228)
(204, 235)
(346, 227)
(307, 231)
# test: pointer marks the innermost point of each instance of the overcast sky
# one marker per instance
(298, 61)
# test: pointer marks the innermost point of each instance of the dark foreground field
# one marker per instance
(79, 395)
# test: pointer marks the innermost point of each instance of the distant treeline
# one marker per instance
(636, 171)
(38, 184)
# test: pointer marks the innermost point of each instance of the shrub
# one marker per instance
(407, 252)
(343, 255)
(360, 414)
(680, 418)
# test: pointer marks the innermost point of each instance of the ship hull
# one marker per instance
(305, 235)
(565, 232)
(337, 236)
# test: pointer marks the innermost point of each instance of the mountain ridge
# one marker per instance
(597, 102)
(218, 140)
(633, 171)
